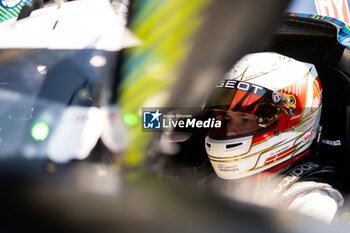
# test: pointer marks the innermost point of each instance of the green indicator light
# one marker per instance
(130, 119)
(40, 131)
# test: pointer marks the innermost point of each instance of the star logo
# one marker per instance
(156, 115)
(151, 119)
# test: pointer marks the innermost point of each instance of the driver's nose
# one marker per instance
(233, 128)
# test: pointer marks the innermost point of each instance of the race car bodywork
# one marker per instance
(335, 68)
(10, 9)
(332, 11)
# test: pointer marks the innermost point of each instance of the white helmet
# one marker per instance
(270, 108)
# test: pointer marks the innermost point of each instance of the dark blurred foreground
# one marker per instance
(88, 197)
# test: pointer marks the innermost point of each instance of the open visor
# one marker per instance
(234, 124)
(245, 108)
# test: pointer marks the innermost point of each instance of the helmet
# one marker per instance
(269, 106)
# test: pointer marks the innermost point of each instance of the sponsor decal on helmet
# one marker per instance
(307, 137)
(243, 86)
(227, 168)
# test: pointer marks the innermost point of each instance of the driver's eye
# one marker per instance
(219, 118)
(247, 120)
(228, 119)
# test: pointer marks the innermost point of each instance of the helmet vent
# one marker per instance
(208, 145)
(229, 146)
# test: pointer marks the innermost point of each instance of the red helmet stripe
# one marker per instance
(238, 97)
(275, 158)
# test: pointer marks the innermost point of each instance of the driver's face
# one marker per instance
(239, 123)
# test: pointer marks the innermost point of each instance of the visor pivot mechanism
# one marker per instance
(291, 100)
(290, 111)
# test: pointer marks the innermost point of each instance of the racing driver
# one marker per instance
(270, 108)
